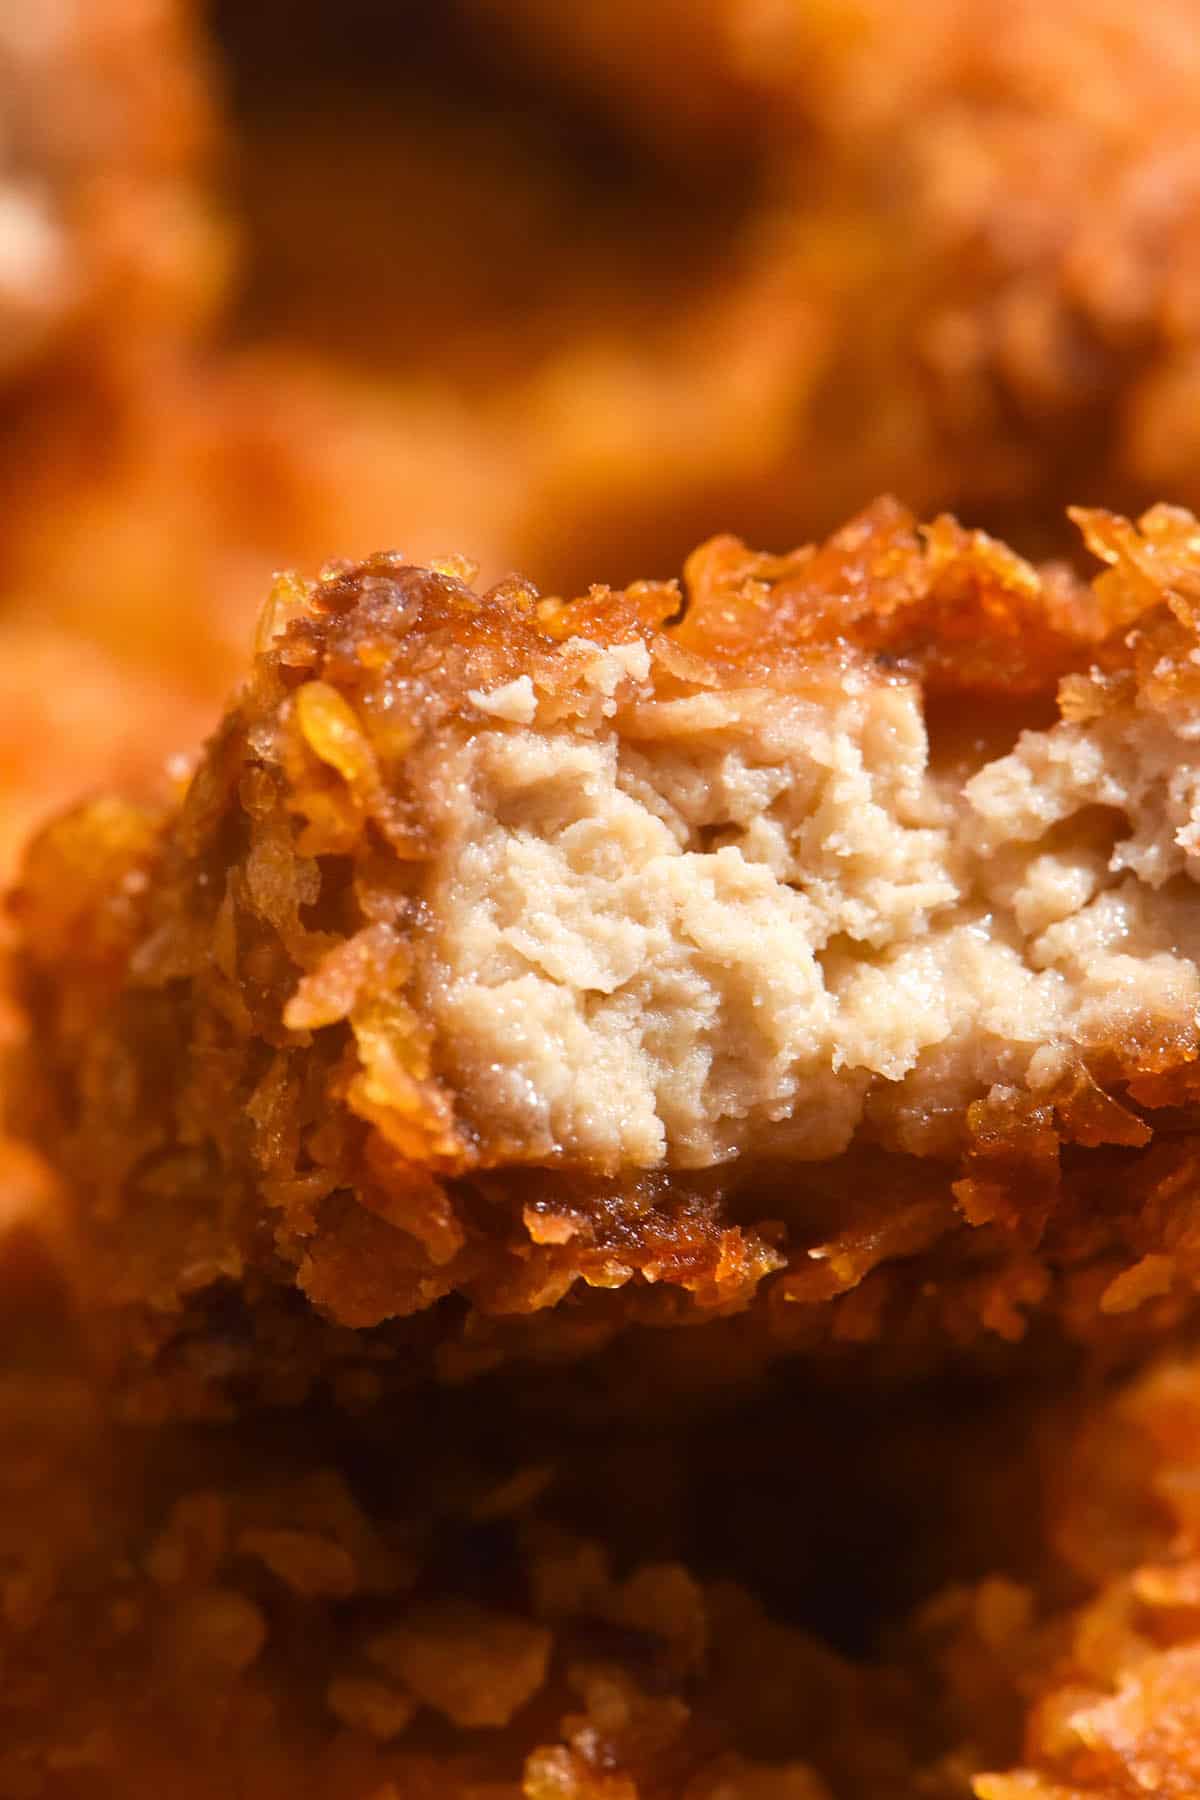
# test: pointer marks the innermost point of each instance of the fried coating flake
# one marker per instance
(770, 943)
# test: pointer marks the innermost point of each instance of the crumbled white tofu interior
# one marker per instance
(668, 931)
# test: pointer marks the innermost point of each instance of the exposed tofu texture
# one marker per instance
(765, 941)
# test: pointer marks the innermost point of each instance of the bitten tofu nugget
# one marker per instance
(818, 938)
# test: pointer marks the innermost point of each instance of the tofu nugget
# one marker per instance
(819, 939)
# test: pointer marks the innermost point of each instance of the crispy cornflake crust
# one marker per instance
(232, 1067)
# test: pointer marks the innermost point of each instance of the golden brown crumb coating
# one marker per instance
(695, 951)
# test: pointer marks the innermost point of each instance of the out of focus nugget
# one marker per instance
(1101, 1691)
(109, 233)
(197, 1616)
(968, 270)
(115, 258)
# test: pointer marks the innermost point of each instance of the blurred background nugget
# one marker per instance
(490, 1603)
(971, 234)
(110, 247)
